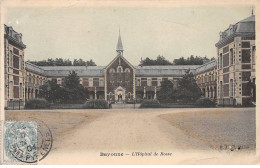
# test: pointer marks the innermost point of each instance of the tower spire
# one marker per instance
(119, 46)
(252, 10)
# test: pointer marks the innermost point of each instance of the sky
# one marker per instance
(92, 32)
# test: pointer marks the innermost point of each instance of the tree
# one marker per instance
(188, 90)
(160, 60)
(76, 92)
(71, 92)
(63, 62)
(198, 60)
(167, 92)
(90, 63)
(49, 91)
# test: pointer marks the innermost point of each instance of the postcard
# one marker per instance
(129, 82)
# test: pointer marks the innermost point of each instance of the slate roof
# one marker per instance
(62, 71)
(34, 68)
(167, 70)
(245, 26)
(206, 67)
(14, 36)
(141, 71)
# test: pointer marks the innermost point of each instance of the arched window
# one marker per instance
(119, 69)
(111, 70)
(127, 70)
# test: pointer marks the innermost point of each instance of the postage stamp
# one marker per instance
(26, 141)
(20, 142)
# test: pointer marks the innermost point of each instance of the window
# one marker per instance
(220, 89)
(143, 81)
(16, 91)
(16, 62)
(225, 49)
(246, 56)
(253, 55)
(154, 82)
(101, 82)
(246, 76)
(11, 59)
(149, 82)
(16, 51)
(245, 44)
(226, 90)
(111, 70)
(119, 69)
(138, 82)
(220, 61)
(127, 70)
(231, 88)
(90, 82)
(21, 90)
(246, 90)
(231, 56)
(85, 82)
(96, 82)
(226, 60)
(21, 62)
(226, 78)
(16, 80)
(11, 87)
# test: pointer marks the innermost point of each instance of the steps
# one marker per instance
(125, 106)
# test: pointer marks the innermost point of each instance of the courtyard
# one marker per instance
(205, 130)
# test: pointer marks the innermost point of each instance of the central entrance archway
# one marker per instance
(119, 94)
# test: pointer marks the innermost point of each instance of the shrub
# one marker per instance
(95, 104)
(147, 103)
(205, 102)
(37, 104)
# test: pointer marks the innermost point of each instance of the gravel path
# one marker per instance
(150, 130)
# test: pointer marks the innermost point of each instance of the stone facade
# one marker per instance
(236, 63)
(206, 78)
(14, 69)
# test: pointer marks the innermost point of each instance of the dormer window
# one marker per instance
(220, 35)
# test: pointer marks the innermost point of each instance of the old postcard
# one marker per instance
(129, 82)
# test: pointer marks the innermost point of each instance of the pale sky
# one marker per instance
(92, 32)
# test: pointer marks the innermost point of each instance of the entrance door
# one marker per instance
(120, 94)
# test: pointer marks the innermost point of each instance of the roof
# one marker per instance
(61, 71)
(141, 71)
(206, 67)
(14, 37)
(245, 26)
(164, 70)
(34, 68)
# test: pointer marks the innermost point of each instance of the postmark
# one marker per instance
(45, 139)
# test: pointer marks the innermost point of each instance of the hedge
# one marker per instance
(37, 104)
(150, 103)
(95, 104)
(205, 102)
